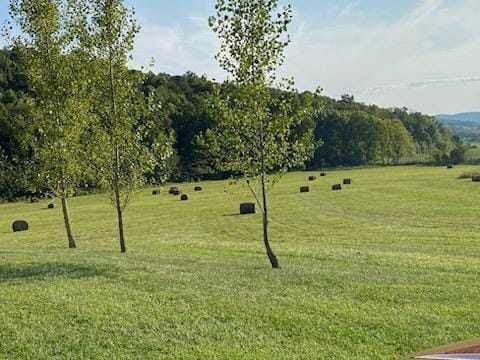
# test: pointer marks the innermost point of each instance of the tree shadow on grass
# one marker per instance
(54, 270)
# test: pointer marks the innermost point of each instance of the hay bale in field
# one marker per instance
(476, 178)
(323, 174)
(156, 192)
(172, 190)
(337, 187)
(198, 188)
(184, 197)
(450, 166)
(305, 189)
(34, 200)
(312, 178)
(177, 192)
(247, 208)
(51, 206)
(347, 181)
(19, 225)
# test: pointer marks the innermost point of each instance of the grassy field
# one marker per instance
(387, 267)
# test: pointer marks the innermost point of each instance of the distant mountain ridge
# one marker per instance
(465, 125)
(467, 116)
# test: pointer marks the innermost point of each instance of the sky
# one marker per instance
(421, 54)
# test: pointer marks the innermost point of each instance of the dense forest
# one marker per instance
(347, 133)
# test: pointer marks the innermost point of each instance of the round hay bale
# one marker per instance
(172, 190)
(323, 174)
(51, 206)
(476, 178)
(247, 208)
(34, 200)
(337, 187)
(176, 192)
(19, 225)
(156, 192)
(305, 189)
(312, 178)
(450, 166)
(198, 188)
(347, 181)
(184, 197)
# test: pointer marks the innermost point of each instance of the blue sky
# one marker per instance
(423, 54)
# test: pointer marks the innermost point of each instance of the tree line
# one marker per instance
(347, 133)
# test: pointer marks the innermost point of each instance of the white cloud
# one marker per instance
(177, 50)
(428, 57)
(434, 41)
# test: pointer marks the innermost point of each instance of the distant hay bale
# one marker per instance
(305, 189)
(51, 206)
(323, 174)
(476, 178)
(312, 178)
(450, 166)
(173, 190)
(198, 188)
(34, 200)
(184, 197)
(176, 192)
(156, 192)
(347, 181)
(247, 208)
(337, 187)
(19, 225)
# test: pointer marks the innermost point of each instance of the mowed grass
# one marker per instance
(386, 267)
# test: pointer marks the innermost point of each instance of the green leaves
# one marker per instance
(257, 129)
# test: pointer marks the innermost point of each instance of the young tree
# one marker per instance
(254, 132)
(119, 157)
(55, 72)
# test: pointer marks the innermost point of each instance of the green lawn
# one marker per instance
(387, 267)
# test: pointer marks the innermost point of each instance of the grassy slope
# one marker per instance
(387, 267)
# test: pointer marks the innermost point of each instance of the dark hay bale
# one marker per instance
(156, 192)
(176, 192)
(20, 225)
(450, 166)
(337, 187)
(184, 197)
(198, 188)
(247, 208)
(347, 181)
(323, 174)
(312, 178)
(476, 178)
(304, 189)
(172, 190)
(51, 206)
(34, 200)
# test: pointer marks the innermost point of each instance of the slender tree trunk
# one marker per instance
(271, 255)
(116, 184)
(66, 218)
(121, 232)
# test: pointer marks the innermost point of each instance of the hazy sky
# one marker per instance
(423, 54)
